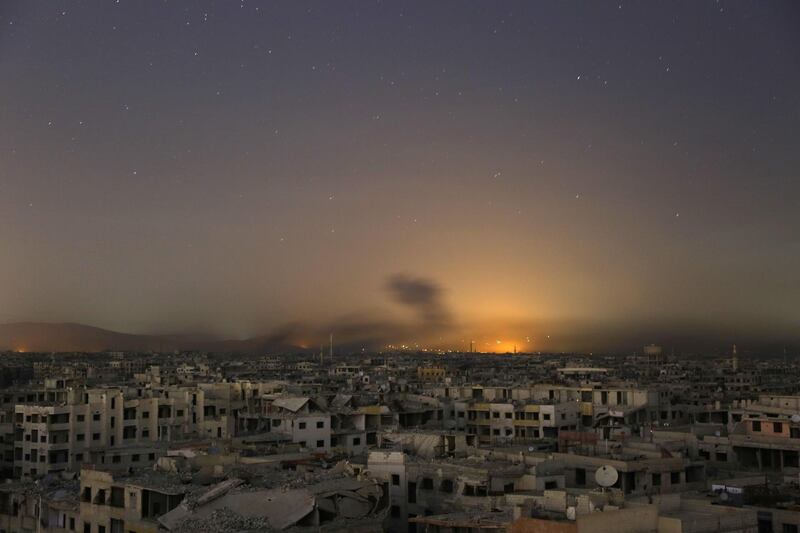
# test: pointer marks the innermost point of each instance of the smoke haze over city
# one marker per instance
(522, 175)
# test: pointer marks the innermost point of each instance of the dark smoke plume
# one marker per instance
(421, 295)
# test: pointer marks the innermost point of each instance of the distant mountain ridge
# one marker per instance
(70, 337)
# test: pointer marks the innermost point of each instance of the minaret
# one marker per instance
(735, 360)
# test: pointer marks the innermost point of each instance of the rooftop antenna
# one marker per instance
(331, 348)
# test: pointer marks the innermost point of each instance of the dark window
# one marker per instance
(96, 416)
(302, 425)
(117, 497)
(674, 478)
(412, 493)
(320, 424)
(756, 426)
(656, 480)
(446, 486)
(777, 427)
(320, 444)
(395, 479)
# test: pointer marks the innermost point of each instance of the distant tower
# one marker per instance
(653, 355)
(734, 360)
(331, 348)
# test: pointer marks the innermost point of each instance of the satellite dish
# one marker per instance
(606, 476)
(530, 448)
(795, 418)
(724, 496)
(717, 433)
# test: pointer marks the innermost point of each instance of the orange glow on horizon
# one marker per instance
(504, 346)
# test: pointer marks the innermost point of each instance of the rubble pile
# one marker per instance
(223, 521)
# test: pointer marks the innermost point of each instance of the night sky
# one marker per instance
(551, 175)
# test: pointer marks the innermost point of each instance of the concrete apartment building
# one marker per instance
(112, 503)
(516, 422)
(96, 426)
(300, 419)
(635, 405)
(768, 433)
